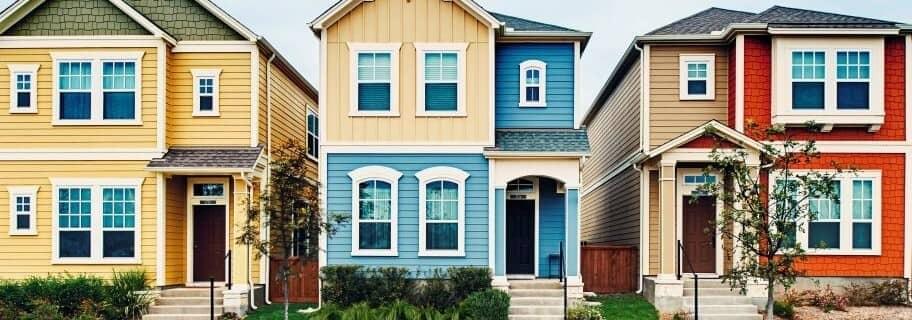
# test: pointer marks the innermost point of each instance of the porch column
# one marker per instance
(668, 226)
(572, 245)
(235, 300)
(500, 239)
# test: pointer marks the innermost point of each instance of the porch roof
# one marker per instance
(711, 127)
(240, 159)
(541, 142)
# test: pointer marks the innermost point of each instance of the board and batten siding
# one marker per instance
(551, 226)
(33, 253)
(36, 131)
(558, 111)
(408, 22)
(610, 209)
(339, 190)
(669, 117)
(232, 125)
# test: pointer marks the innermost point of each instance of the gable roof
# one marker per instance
(342, 7)
(22, 8)
(706, 21)
(712, 126)
(195, 158)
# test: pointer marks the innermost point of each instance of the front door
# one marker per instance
(699, 235)
(208, 243)
(520, 237)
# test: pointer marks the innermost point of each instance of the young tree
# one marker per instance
(761, 217)
(290, 209)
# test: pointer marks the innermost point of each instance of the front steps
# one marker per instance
(718, 302)
(536, 300)
(185, 304)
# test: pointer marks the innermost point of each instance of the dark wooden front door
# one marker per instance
(699, 235)
(208, 243)
(520, 237)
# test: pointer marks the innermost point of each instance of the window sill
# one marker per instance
(373, 114)
(23, 233)
(24, 111)
(829, 119)
(440, 114)
(314, 159)
(374, 253)
(96, 122)
(532, 105)
(205, 114)
(91, 261)
(441, 253)
(697, 98)
(841, 252)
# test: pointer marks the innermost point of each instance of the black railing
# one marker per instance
(228, 257)
(563, 276)
(696, 278)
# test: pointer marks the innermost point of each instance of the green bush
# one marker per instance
(490, 304)
(584, 312)
(783, 309)
(389, 284)
(889, 293)
(74, 297)
(344, 285)
(126, 297)
(435, 292)
(468, 280)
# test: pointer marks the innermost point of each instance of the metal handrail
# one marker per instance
(563, 276)
(228, 257)
(683, 253)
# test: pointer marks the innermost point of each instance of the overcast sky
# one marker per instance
(613, 23)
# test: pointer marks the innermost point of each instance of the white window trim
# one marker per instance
(710, 60)
(97, 59)
(31, 70)
(542, 67)
(845, 225)
(311, 112)
(829, 116)
(433, 174)
(96, 240)
(206, 73)
(387, 175)
(420, 50)
(23, 191)
(391, 48)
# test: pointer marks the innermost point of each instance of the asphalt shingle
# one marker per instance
(703, 22)
(216, 157)
(541, 140)
(520, 24)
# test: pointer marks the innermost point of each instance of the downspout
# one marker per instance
(268, 166)
(250, 300)
(638, 169)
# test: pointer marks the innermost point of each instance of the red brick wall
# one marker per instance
(757, 93)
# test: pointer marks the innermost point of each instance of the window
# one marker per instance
(808, 76)
(532, 83)
(97, 88)
(375, 211)
(697, 77)
(699, 179)
(441, 88)
(441, 230)
(853, 75)
(862, 213)
(313, 134)
(208, 190)
(22, 210)
(823, 230)
(521, 185)
(96, 220)
(23, 90)
(206, 92)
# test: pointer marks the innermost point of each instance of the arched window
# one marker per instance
(441, 211)
(375, 211)
(532, 74)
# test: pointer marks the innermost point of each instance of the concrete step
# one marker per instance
(535, 317)
(712, 292)
(535, 284)
(537, 310)
(726, 317)
(707, 283)
(186, 301)
(190, 292)
(198, 309)
(536, 293)
(723, 309)
(176, 317)
(536, 301)
(718, 300)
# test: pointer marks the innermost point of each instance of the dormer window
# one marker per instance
(532, 83)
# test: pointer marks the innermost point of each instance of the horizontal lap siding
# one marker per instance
(669, 117)
(654, 222)
(558, 113)
(33, 253)
(339, 201)
(551, 225)
(232, 126)
(614, 215)
(408, 22)
(176, 230)
(289, 115)
(36, 131)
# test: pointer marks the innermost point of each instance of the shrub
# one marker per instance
(584, 312)
(389, 284)
(435, 292)
(468, 280)
(44, 311)
(126, 296)
(797, 298)
(401, 310)
(783, 310)
(229, 316)
(344, 285)
(827, 300)
(892, 292)
(490, 304)
(71, 294)
(873, 294)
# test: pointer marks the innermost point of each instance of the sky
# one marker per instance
(613, 23)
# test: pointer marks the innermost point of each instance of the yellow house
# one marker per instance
(134, 134)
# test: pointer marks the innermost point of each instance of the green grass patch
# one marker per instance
(626, 306)
(275, 312)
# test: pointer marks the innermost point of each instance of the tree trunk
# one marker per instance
(770, 288)
(285, 286)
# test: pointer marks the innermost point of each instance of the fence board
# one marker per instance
(302, 288)
(609, 269)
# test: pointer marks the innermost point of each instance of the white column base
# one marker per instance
(500, 283)
(665, 292)
(574, 289)
(235, 300)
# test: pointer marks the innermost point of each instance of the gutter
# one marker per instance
(531, 154)
(268, 167)
(250, 301)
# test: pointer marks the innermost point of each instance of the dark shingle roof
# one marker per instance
(716, 19)
(215, 157)
(541, 140)
(520, 24)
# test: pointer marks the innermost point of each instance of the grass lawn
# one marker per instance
(627, 306)
(274, 312)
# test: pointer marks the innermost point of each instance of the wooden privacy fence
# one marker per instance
(302, 288)
(609, 269)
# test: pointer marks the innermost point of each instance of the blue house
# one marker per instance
(450, 138)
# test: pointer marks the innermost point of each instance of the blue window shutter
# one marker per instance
(852, 95)
(75, 105)
(807, 95)
(440, 97)
(119, 105)
(374, 96)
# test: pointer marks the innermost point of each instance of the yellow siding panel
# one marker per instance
(176, 231)
(26, 131)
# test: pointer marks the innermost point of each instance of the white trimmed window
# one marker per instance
(96, 221)
(23, 88)
(441, 79)
(206, 92)
(375, 200)
(849, 223)
(374, 79)
(532, 83)
(22, 204)
(697, 76)
(313, 134)
(97, 88)
(441, 216)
